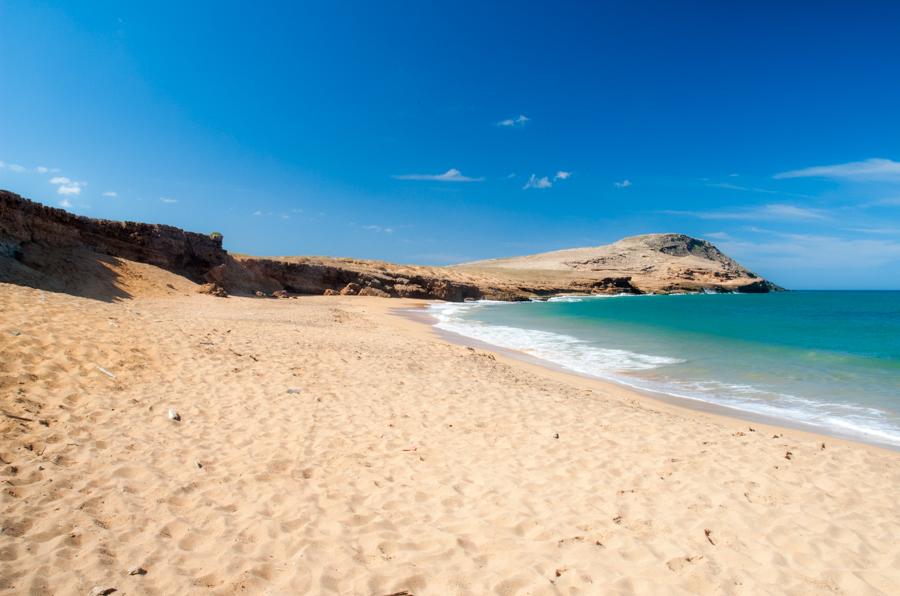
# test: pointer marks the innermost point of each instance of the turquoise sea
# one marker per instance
(825, 359)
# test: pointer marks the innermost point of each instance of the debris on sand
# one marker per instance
(106, 372)
(213, 289)
(174, 415)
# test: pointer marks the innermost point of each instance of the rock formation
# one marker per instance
(50, 248)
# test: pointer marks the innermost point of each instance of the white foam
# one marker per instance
(563, 350)
(624, 367)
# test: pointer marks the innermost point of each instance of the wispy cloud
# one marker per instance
(451, 175)
(168, 200)
(765, 191)
(14, 167)
(111, 193)
(809, 252)
(65, 203)
(870, 169)
(728, 186)
(512, 122)
(535, 182)
(623, 184)
(379, 229)
(890, 202)
(772, 211)
(877, 231)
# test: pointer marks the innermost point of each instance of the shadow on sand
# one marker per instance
(78, 272)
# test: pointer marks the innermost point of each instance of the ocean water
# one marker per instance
(827, 360)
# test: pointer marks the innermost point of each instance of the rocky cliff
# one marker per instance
(53, 249)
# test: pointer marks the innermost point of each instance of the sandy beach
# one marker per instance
(327, 445)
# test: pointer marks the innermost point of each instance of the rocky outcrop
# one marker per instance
(212, 289)
(313, 276)
(28, 228)
(39, 245)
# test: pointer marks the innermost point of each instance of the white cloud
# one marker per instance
(14, 167)
(257, 213)
(535, 182)
(111, 193)
(511, 122)
(42, 169)
(623, 184)
(718, 235)
(451, 175)
(67, 186)
(168, 200)
(69, 189)
(562, 175)
(772, 211)
(65, 203)
(870, 169)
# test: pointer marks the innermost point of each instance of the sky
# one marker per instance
(438, 132)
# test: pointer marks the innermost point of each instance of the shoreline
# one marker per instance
(419, 313)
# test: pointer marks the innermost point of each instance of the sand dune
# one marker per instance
(329, 446)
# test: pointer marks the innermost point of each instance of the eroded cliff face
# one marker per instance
(31, 232)
(50, 248)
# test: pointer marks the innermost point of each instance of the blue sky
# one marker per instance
(434, 133)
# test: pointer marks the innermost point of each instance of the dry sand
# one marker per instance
(328, 446)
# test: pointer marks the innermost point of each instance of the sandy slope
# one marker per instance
(401, 463)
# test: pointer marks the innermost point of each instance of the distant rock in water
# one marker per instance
(52, 249)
